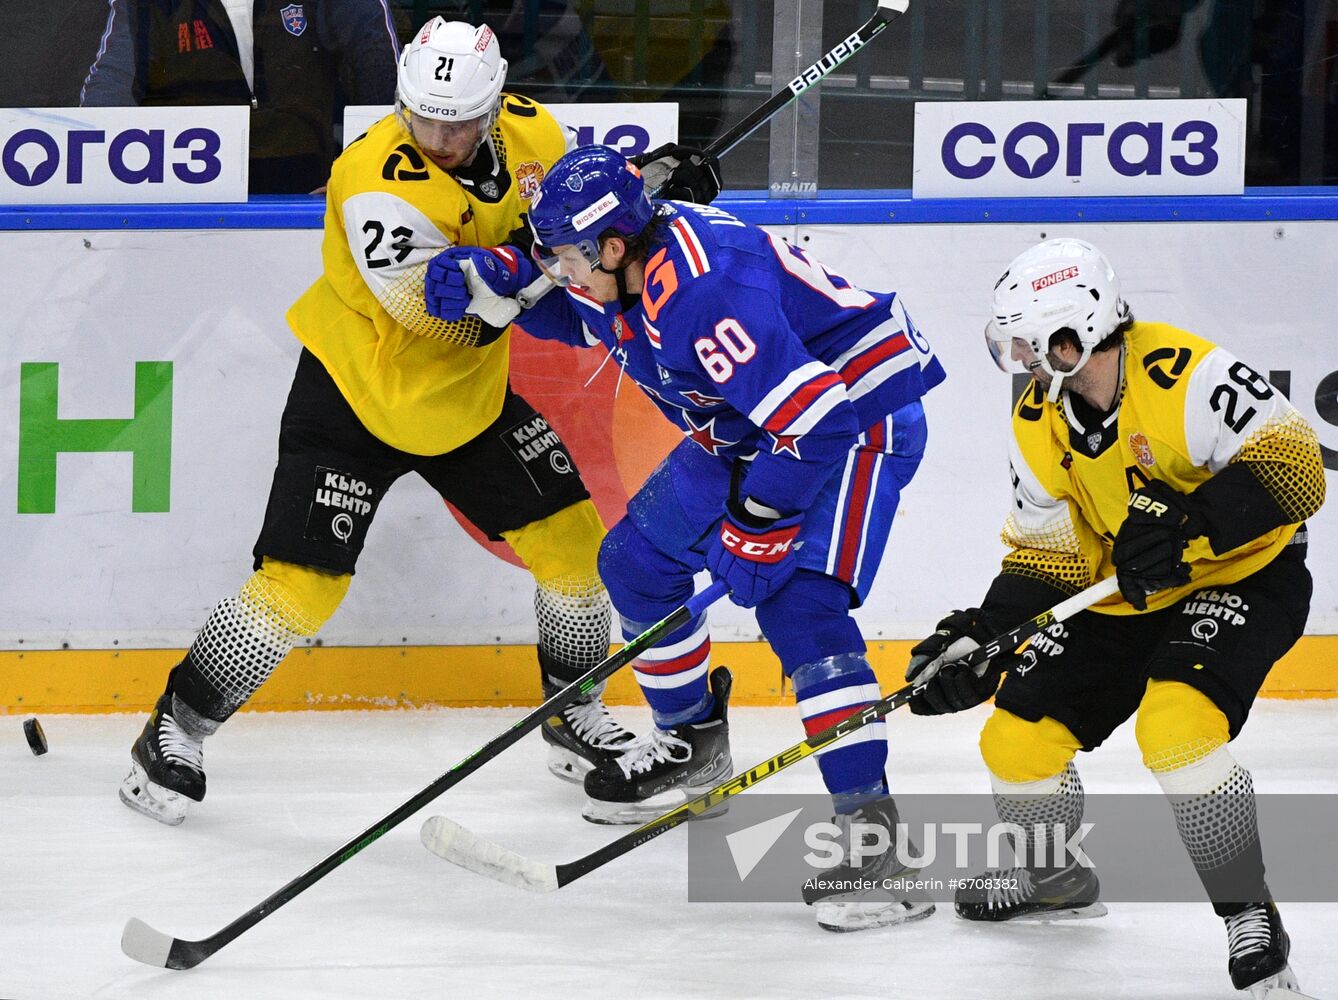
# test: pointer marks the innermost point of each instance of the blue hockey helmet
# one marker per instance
(590, 190)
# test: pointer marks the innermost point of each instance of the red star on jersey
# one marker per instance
(704, 435)
(785, 442)
(700, 399)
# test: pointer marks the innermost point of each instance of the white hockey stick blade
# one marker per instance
(142, 943)
(897, 5)
(448, 839)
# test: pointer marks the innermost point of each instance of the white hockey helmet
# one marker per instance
(1061, 284)
(452, 72)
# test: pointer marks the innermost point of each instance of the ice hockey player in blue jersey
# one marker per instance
(799, 397)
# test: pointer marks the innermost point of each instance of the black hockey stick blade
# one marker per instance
(144, 944)
(887, 12)
(448, 839)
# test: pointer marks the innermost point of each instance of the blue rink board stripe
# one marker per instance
(829, 208)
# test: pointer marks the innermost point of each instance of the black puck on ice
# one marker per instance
(36, 738)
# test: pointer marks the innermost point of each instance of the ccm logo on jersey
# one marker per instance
(770, 547)
(1054, 279)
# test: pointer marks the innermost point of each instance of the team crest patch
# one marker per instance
(574, 183)
(529, 176)
(294, 18)
(1142, 449)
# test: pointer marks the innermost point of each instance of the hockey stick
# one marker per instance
(887, 12)
(445, 837)
(656, 176)
(1079, 69)
(144, 944)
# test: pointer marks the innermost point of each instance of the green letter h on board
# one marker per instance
(147, 435)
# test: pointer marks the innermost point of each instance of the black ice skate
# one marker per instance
(1031, 894)
(166, 768)
(664, 768)
(1257, 950)
(841, 896)
(582, 736)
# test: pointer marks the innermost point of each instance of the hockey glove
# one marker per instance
(948, 684)
(680, 173)
(487, 283)
(753, 554)
(1150, 545)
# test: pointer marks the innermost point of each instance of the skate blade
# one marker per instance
(1088, 912)
(151, 799)
(1282, 985)
(636, 813)
(843, 917)
(567, 765)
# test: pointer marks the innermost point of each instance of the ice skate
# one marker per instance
(839, 897)
(166, 768)
(664, 768)
(1257, 952)
(582, 736)
(1031, 894)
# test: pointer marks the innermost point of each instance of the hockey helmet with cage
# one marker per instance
(451, 72)
(589, 190)
(1061, 284)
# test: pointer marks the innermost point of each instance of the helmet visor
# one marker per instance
(570, 264)
(1011, 354)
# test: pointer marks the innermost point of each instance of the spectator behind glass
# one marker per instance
(295, 64)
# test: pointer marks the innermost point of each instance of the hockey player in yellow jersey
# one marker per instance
(383, 389)
(1144, 451)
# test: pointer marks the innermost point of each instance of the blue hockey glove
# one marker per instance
(752, 554)
(477, 281)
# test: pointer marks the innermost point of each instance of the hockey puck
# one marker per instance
(36, 738)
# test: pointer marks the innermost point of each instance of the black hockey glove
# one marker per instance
(1150, 545)
(680, 173)
(950, 685)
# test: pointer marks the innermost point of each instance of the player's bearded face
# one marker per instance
(1023, 354)
(1061, 359)
(450, 145)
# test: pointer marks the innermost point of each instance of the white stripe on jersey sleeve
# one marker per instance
(1223, 408)
(1037, 520)
(392, 242)
(772, 401)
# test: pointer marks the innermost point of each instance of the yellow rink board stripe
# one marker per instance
(330, 677)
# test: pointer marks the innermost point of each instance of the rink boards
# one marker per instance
(161, 331)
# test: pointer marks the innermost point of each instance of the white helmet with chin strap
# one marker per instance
(1061, 284)
(451, 72)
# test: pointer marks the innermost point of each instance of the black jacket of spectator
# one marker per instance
(311, 57)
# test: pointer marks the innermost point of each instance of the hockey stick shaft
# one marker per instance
(144, 944)
(1079, 69)
(887, 12)
(458, 845)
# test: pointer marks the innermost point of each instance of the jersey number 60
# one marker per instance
(731, 346)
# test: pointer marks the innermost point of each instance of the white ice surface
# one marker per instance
(397, 922)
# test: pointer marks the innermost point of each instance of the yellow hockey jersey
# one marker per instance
(1187, 410)
(420, 384)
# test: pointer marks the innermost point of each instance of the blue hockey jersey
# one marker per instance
(754, 349)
